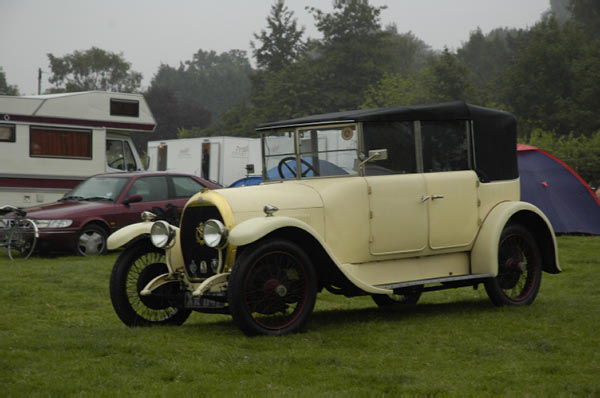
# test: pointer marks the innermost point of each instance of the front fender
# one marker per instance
(251, 230)
(256, 228)
(484, 256)
(127, 234)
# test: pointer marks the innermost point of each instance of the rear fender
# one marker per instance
(484, 256)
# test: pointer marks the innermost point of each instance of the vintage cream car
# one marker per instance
(388, 202)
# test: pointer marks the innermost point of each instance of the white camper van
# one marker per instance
(219, 159)
(50, 143)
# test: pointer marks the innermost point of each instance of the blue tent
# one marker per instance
(565, 198)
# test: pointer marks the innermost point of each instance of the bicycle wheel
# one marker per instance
(22, 239)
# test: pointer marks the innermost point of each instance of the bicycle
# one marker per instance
(17, 234)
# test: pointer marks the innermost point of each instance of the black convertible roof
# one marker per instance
(456, 110)
(494, 131)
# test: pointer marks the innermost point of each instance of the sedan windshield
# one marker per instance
(98, 188)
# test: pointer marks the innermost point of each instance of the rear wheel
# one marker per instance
(134, 268)
(519, 268)
(272, 289)
(22, 239)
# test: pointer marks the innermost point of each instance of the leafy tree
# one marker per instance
(238, 121)
(281, 43)
(487, 57)
(444, 78)
(170, 114)
(352, 54)
(5, 88)
(553, 82)
(587, 13)
(215, 82)
(93, 69)
(407, 52)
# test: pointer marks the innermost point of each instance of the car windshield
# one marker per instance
(98, 188)
(323, 151)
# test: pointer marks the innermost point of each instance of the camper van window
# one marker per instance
(7, 133)
(60, 143)
(129, 159)
(120, 107)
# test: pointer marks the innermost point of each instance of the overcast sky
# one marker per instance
(151, 32)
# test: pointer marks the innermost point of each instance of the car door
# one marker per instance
(155, 193)
(398, 214)
(451, 184)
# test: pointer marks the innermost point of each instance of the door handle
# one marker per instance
(425, 198)
(434, 197)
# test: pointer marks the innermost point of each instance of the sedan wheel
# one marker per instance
(91, 241)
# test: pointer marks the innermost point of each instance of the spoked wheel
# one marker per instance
(519, 268)
(272, 290)
(132, 271)
(22, 239)
(407, 298)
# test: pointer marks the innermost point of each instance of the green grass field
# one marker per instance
(60, 336)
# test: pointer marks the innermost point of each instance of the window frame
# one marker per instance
(118, 104)
(89, 134)
(13, 130)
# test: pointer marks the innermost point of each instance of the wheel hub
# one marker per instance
(274, 286)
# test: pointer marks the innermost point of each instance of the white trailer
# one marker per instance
(219, 159)
(50, 143)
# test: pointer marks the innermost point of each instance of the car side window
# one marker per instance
(445, 145)
(152, 189)
(399, 139)
(186, 186)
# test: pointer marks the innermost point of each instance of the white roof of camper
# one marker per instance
(90, 108)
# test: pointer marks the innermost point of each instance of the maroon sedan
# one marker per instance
(83, 219)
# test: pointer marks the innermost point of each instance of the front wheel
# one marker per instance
(272, 289)
(134, 268)
(519, 268)
(91, 241)
(22, 239)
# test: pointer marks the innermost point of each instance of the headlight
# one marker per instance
(162, 234)
(215, 234)
(53, 223)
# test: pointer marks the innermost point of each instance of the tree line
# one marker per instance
(546, 75)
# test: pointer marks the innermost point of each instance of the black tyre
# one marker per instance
(134, 268)
(408, 298)
(519, 268)
(272, 288)
(91, 241)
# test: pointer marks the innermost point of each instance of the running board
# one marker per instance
(400, 285)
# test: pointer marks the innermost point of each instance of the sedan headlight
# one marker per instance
(53, 223)
(215, 234)
(162, 234)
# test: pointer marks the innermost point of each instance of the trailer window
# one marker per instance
(7, 133)
(60, 143)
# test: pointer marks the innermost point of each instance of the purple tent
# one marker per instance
(565, 198)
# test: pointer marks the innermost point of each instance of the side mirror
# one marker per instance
(375, 154)
(133, 199)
